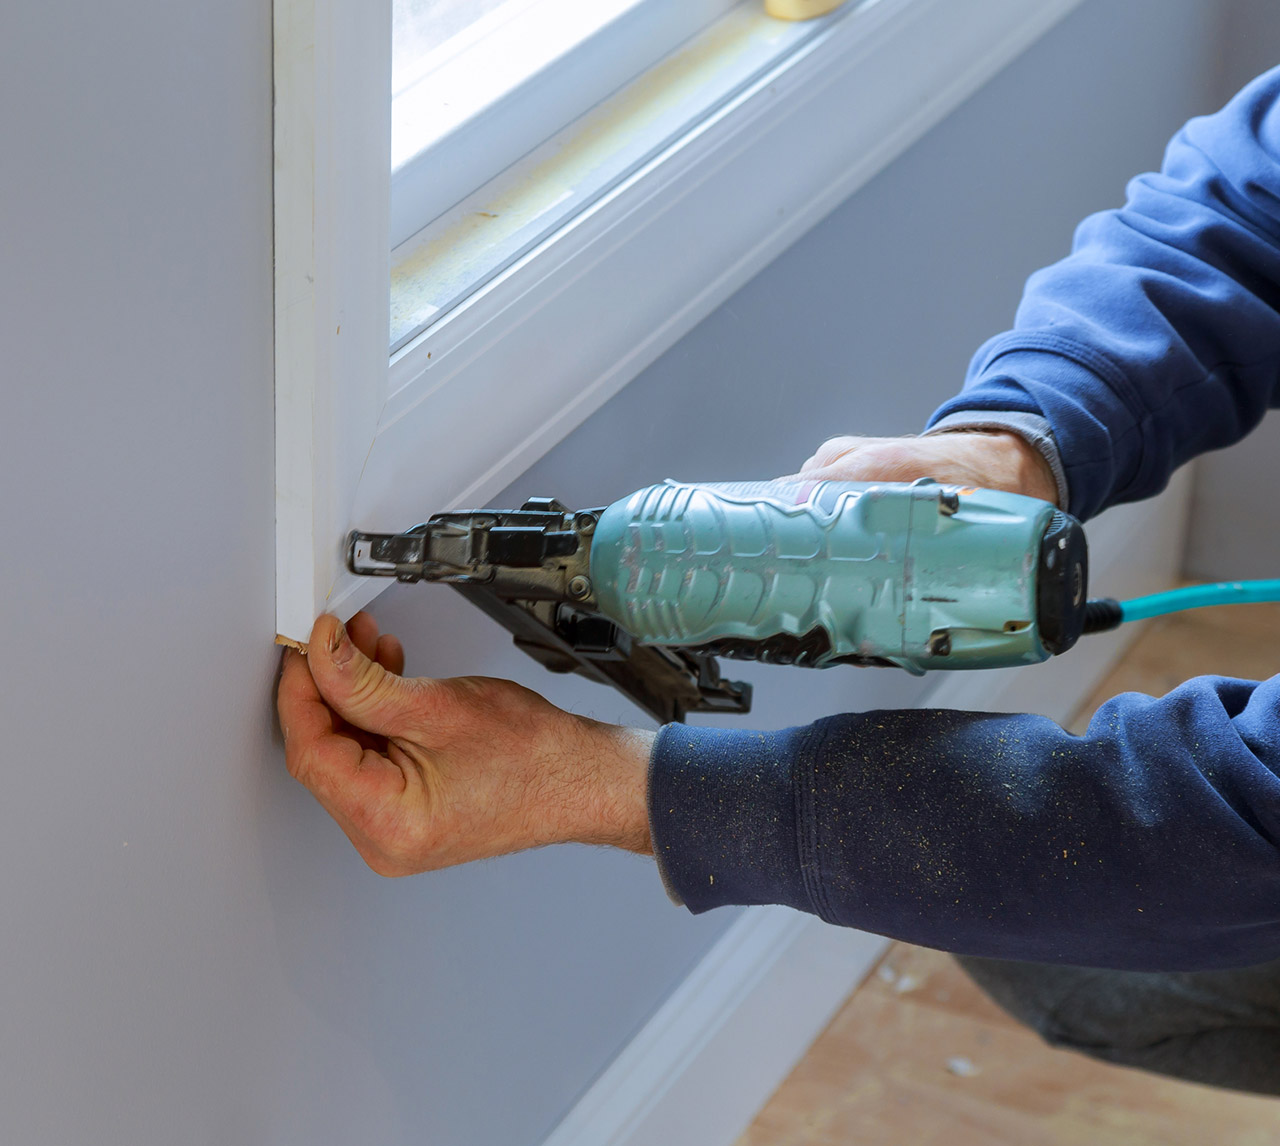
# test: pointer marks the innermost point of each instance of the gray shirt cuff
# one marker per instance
(1031, 428)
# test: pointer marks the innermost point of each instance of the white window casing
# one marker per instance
(372, 440)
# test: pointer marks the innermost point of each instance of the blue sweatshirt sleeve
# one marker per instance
(1158, 338)
(1150, 843)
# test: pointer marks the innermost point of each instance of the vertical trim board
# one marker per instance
(332, 61)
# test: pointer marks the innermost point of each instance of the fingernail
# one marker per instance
(340, 646)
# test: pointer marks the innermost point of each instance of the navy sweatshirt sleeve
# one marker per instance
(1158, 338)
(1152, 842)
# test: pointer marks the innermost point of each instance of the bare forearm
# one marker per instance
(613, 794)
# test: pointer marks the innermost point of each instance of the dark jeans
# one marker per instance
(1215, 1027)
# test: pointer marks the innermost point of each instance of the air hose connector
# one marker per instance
(1102, 614)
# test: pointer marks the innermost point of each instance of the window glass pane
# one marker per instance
(424, 31)
(480, 83)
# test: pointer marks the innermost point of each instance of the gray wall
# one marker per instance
(191, 951)
(1248, 43)
(1232, 529)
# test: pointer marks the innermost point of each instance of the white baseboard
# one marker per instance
(709, 1058)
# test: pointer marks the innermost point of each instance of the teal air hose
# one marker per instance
(1105, 613)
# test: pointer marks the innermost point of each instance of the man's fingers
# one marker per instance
(840, 450)
(383, 648)
(303, 712)
(327, 758)
(830, 451)
(359, 689)
(363, 630)
(873, 459)
(390, 654)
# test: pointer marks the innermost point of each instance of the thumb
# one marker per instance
(358, 689)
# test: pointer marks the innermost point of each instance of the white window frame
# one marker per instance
(459, 127)
(369, 441)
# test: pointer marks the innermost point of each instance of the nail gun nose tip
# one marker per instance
(369, 555)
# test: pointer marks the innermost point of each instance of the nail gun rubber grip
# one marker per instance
(1062, 583)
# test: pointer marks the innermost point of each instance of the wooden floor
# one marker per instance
(918, 1056)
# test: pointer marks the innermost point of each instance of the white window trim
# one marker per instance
(464, 408)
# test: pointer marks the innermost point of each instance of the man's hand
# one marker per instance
(986, 459)
(423, 774)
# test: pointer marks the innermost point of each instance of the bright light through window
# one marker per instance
(426, 32)
(479, 83)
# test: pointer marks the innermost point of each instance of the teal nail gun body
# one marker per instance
(646, 593)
